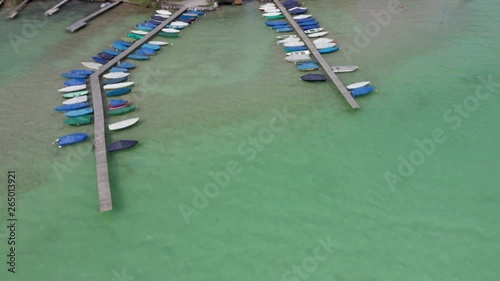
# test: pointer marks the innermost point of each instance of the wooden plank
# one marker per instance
(324, 64)
(77, 25)
(18, 9)
(54, 9)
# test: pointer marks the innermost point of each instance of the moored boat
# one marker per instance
(75, 94)
(73, 106)
(122, 110)
(138, 57)
(115, 75)
(318, 34)
(118, 92)
(362, 91)
(159, 43)
(298, 58)
(314, 30)
(122, 144)
(118, 86)
(71, 139)
(77, 99)
(126, 65)
(72, 88)
(79, 112)
(91, 65)
(80, 120)
(345, 68)
(314, 78)
(357, 85)
(123, 124)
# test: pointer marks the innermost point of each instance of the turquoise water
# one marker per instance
(320, 176)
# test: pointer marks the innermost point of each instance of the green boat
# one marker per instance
(275, 17)
(122, 110)
(127, 39)
(75, 94)
(168, 35)
(80, 120)
(134, 36)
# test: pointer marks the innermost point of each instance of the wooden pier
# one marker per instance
(54, 9)
(81, 23)
(101, 156)
(324, 64)
(17, 10)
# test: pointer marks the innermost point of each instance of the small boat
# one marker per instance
(122, 110)
(325, 45)
(74, 100)
(169, 35)
(271, 14)
(74, 82)
(311, 22)
(188, 14)
(298, 11)
(71, 75)
(294, 44)
(305, 20)
(295, 49)
(144, 28)
(170, 30)
(116, 103)
(179, 27)
(75, 94)
(362, 91)
(138, 57)
(281, 16)
(266, 6)
(281, 37)
(298, 53)
(299, 17)
(186, 19)
(201, 13)
(126, 65)
(124, 43)
(127, 39)
(314, 30)
(328, 50)
(286, 29)
(123, 124)
(276, 22)
(158, 18)
(323, 40)
(115, 75)
(280, 26)
(159, 43)
(69, 107)
(164, 12)
(85, 72)
(72, 88)
(357, 85)
(318, 34)
(134, 36)
(71, 139)
(272, 10)
(296, 8)
(309, 27)
(345, 68)
(114, 81)
(79, 112)
(157, 22)
(145, 52)
(100, 60)
(121, 145)
(298, 58)
(80, 120)
(118, 86)
(309, 66)
(163, 16)
(288, 40)
(118, 92)
(151, 47)
(313, 78)
(111, 108)
(92, 65)
(111, 52)
(140, 32)
(118, 69)
(179, 23)
(150, 23)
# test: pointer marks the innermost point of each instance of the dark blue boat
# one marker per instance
(126, 65)
(122, 144)
(111, 52)
(138, 57)
(70, 75)
(68, 107)
(154, 22)
(118, 92)
(79, 112)
(151, 47)
(298, 11)
(115, 103)
(278, 22)
(158, 18)
(106, 56)
(71, 139)
(186, 19)
(74, 82)
(295, 49)
(82, 71)
(307, 27)
(124, 43)
(362, 91)
(113, 81)
(100, 60)
(311, 22)
(286, 29)
(291, 4)
(313, 78)
(118, 69)
(280, 26)
(328, 50)
(304, 20)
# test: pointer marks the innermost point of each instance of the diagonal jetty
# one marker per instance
(83, 22)
(101, 157)
(17, 10)
(54, 9)
(324, 64)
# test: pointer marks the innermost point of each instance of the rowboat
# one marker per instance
(122, 110)
(272, 10)
(164, 12)
(193, 15)
(123, 124)
(286, 29)
(151, 47)
(74, 100)
(79, 112)
(314, 30)
(271, 14)
(298, 53)
(322, 40)
(309, 27)
(306, 20)
(144, 28)
(276, 22)
(299, 17)
(162, 15)
(328, 50)
(286, 36)
(313, 78)
(71, 75)
(179, 27)
(346, 68)
(308, 66)
(169, 35)
(295, 49)
(118, 69)
(179, 23)
(74, 106)
(158, 18)
(294, 44)
(72, 88)
(298, 10)
(74, 82)
(111, 52)
(281, 16)
(99, 60)
(298, 58)
(121, 145)
(134, 36)
(309, 22)
(288, 40)
(145, 52)
(159, 43)
(75, 94)
(267, 6)
(325, 45)
(140, 32)
(80, 120)
(201, 13)
(124, 43)
(106, 56)
(138, 57)
(111, 108)
(127, 39)
(71, 139)
(118, 86)
(362, 91)
(114, 81)
(85, 72)
(280, 26)
(170, 30)
(318, 34)
(91, 65)
(126, 65)
(357, 85)
(118, 92)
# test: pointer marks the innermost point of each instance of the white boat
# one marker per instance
(267, 6)
(318, 34)
(314, 30)
(299, 17)
(116, 75)
(140, 32)
(164, 12)
(179, 23)
(271, 14)
(72, 88)
(294, 44)
(272, 10)
(171, 30)
(298, 53)
(357, 85)
(325, 45)
(163, 16)
(118, 85)
(323, 40)
(159, 43)
(344, 68)
(286, 36)
(298, 58)
(123, 124)
(295, 8)
(288, 40)
(91, 65)
(76, 100)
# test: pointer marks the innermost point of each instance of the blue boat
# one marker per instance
(158, 18)
(286, 29)
(119, 46)
(291, 4)
(307, 27)
(278, 22)
(79, 112)
(190, 15)
(148, 24)
(362, 91)
(307, 66)
(71, 139)
(306, 19)
(74, 82)
(312, 22)
(196, 12)
(145, 52)
(144, 28)
(298, 11)
(126, 65)
(184, 19)
(111, 52)
(118, 69)
(74, 106)
(154, 22)
(138, 57)
(118, 92)
(328, 50)
(82, 71)
(115, 103)
(106, 56)
(151, 47)
(124, 43)
(100, 60)
(313, 78)
(179, 27)
(114, 81)
(295, 49)
(70, 75)
(280, 26)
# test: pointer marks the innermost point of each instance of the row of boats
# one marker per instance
(296, 50)
(115, 83)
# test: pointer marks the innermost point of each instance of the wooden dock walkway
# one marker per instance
(81, 23)
(101, 156)
(17, 10)
(324, 64)
(54, 9)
